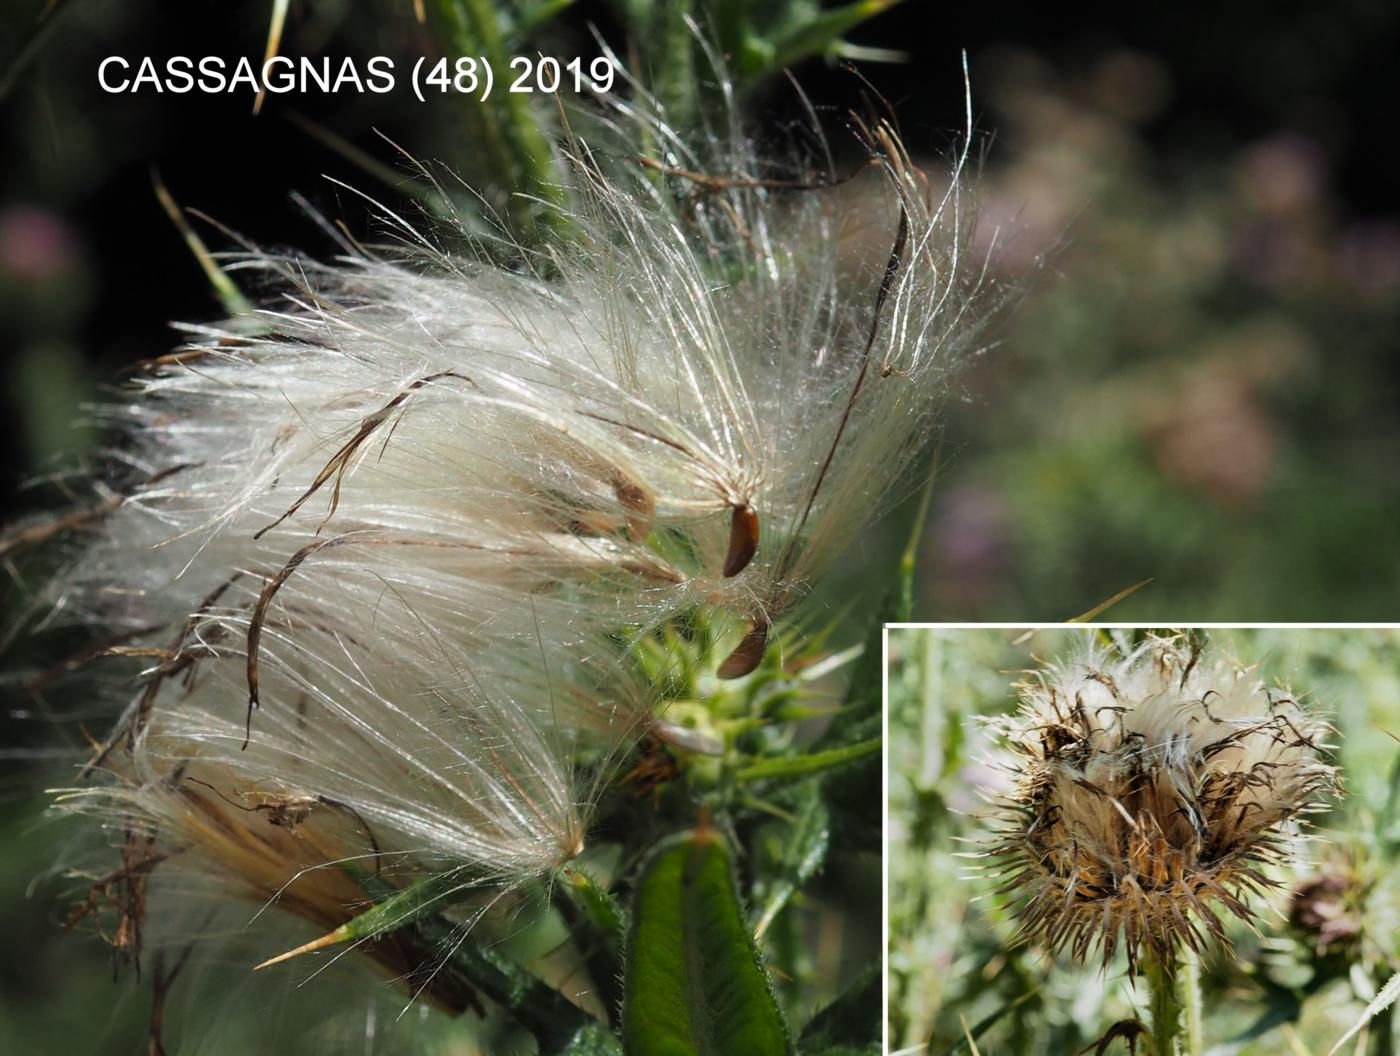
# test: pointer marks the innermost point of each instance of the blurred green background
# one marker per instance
(1198, 382)
(1293, 987)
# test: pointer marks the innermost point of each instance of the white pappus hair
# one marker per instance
(387, 538)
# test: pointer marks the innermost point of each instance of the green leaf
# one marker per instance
(793, 766)
(822, 33)
(594, 900)
(398, 908)
(599, 927)
(512, 134)
(1382, 1001)
(556, 1022)
(552, 1018)
(804, 847)
(695, 984)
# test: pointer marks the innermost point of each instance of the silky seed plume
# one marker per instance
(389, 540)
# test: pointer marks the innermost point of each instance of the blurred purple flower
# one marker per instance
(36, 245)
(970, 544)
(1215, 435)
(1283, 174)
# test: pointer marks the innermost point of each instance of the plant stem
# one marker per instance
(1190, 987)
(1174, 991)
(1164, 1007)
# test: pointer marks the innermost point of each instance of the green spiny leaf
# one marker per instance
(597, 904)
(556, 1022)
(695, 983)
(795, 766)
(804, 846)
(1380, 1003)
(398, 908)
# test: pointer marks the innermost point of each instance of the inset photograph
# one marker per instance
(1170, 841)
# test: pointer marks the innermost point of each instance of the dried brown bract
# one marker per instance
(1155, 786)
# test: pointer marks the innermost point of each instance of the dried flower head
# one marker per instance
(1328, 909)
(1154, 785)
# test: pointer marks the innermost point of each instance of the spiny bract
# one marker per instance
(1151, 784)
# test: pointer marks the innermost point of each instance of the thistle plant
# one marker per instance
(451, 543)
(1155, 787)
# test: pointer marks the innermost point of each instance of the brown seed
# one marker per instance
(640, 506)
(748, 655)
(593, 522)
(743, 540)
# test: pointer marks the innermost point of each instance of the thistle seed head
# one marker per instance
(1155, 786)
(391, 537)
